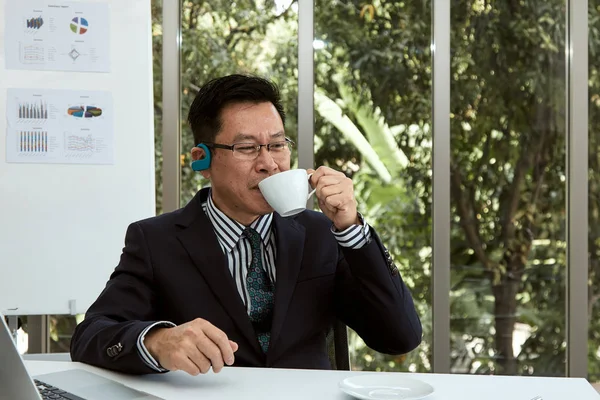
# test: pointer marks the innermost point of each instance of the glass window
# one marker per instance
(593, 311)
(221, 38)
(373, 122)
(156, 7)
(61, 330)
(508, 187)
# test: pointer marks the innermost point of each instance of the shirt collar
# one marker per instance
(229, 231)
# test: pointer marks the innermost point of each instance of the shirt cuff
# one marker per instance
(144, 353)
(355, 236)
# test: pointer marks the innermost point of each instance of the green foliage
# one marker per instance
(373, 73)
(373, 122)
(220, 38)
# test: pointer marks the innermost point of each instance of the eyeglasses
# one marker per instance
(250, 151)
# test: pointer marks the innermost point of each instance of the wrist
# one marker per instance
(151, 339)
(345, 225)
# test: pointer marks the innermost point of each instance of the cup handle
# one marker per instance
(311, 192)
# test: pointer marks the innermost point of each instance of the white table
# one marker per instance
(265, 384)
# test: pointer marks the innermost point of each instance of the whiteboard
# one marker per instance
(62, 226)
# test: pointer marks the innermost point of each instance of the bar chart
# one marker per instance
(32, 141)
(33, 110)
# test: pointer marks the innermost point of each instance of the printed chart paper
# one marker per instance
(59, 126)
(62, 36)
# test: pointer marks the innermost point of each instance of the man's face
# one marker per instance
(235, 181)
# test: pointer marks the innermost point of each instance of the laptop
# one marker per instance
(75, 384)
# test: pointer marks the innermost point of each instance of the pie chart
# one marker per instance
(79, 25)
(84, 111)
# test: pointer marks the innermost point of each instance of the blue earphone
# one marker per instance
(203, 163)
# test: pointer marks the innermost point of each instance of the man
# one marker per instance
(226, 281)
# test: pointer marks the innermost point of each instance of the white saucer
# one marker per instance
(385, 387)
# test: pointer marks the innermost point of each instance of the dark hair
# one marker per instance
(205, 112)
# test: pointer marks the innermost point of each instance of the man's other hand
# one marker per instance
(335, 192)
(192, 347)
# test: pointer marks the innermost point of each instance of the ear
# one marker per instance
(201, 159)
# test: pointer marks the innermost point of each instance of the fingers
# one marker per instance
(199, 358)
(329, 186)
(196, 346)
(324, 171)
(318, 176)
(225, 350)
(324, 206)
(192, 362)
(335, 185)
(326, 175)
(338, 202)
(200, 361)
(335, 192)
(212, 352)
(185, 364)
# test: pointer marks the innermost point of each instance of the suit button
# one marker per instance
(113, 351)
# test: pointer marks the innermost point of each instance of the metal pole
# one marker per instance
(305, 84)
(440, 49)
(577, 187)
(38, 332)
(171, 100)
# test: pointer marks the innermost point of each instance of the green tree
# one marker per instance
(508, 161)
(373, 80)
(508, 103)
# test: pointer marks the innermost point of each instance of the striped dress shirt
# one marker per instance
(237, 249)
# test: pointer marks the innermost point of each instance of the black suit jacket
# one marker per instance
(172, 268)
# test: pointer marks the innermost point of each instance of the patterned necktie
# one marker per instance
(260, 291)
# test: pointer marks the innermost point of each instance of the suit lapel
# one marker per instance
(200, 241)
(290, 245)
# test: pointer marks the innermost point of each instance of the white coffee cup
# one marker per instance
(287, 192)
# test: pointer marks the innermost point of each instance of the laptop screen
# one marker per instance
(15, 382)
